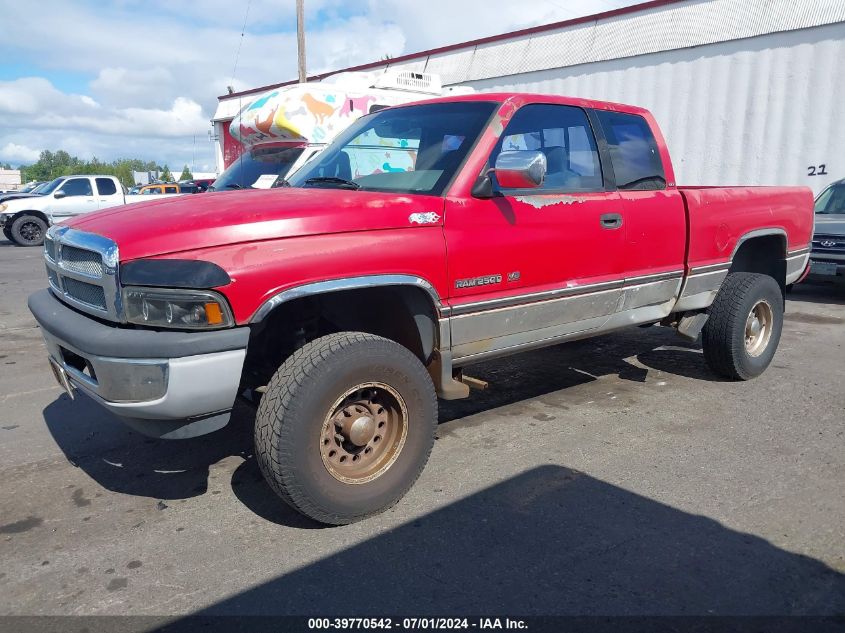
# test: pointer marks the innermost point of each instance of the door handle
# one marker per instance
(611, 220)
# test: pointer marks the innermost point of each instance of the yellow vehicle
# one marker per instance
(152, 190)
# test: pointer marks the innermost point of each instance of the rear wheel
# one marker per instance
(28, 230)
(346, 426)
(742, 333)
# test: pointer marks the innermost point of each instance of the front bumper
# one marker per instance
(827, 268)
(164, 384)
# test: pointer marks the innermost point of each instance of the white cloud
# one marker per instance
(121, 86)
(36, 103)
(18, 154)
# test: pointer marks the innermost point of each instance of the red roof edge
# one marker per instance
(634, 8)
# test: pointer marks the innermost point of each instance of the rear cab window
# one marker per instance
(106, 186)
(633, 151)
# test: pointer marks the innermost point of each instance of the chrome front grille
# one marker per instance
(88, 294)
(82, 261)
(50, 248)
(53, 276)
(833, 244)
(82, 270)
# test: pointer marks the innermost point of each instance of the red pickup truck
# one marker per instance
(351, 298)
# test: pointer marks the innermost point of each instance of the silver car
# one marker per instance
(827, 258)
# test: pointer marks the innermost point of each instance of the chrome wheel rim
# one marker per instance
(364, 433)
(758, 328)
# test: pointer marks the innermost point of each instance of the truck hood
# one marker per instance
(23, 203)
(5, 197)
(833, 224)
(188, 223)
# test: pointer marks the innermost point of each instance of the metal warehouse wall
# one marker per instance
(764, 110)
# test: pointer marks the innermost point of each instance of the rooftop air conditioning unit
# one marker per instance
(411, 81)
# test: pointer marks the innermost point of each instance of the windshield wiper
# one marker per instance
(340, 182)
(233, 185)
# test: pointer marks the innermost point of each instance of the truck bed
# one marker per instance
(719, 217)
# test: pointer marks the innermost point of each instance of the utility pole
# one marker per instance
(300, 38)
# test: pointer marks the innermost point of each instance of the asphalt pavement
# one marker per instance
(611, 476)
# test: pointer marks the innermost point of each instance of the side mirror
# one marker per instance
(521, 169)
(59, 195)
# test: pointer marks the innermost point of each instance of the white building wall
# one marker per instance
(761, 110)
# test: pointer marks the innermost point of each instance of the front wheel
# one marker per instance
(28, 230)
(742, 333)
(346, 426)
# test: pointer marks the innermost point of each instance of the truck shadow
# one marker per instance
(817, 292)
(553, 541)
(126, 462)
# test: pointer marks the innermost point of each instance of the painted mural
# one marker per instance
(372, 154)
(303, 113)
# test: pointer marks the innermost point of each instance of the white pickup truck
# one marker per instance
(25, 220)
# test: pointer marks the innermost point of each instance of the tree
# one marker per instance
(6, 166)
(166, 176)
(51, 165)
(186, 174)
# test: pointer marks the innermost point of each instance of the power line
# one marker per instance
(240, 42)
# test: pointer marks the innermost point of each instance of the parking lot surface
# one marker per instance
(611, 476)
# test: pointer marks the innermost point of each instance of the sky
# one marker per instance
(140, 78)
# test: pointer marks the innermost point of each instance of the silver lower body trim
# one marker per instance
(700, 287)
(153, 389)
(497, 332)
(795, 265)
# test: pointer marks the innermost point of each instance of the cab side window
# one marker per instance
(564, 135)
(77, 187)
(633, 151)
(171, 190)
(106, 186)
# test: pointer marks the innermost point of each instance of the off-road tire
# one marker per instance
(299, 398)
(21, 235)
(724, 334)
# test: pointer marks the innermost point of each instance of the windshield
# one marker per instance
(52, 186)
(832, 200)
(259, 165)
(39, 188)
(31, 187)
(412, 149)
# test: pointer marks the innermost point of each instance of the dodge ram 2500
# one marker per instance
(347, 304)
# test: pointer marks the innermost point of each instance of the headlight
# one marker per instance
(3, 207)
(181, 309)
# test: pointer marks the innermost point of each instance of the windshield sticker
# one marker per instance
(265, 181)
